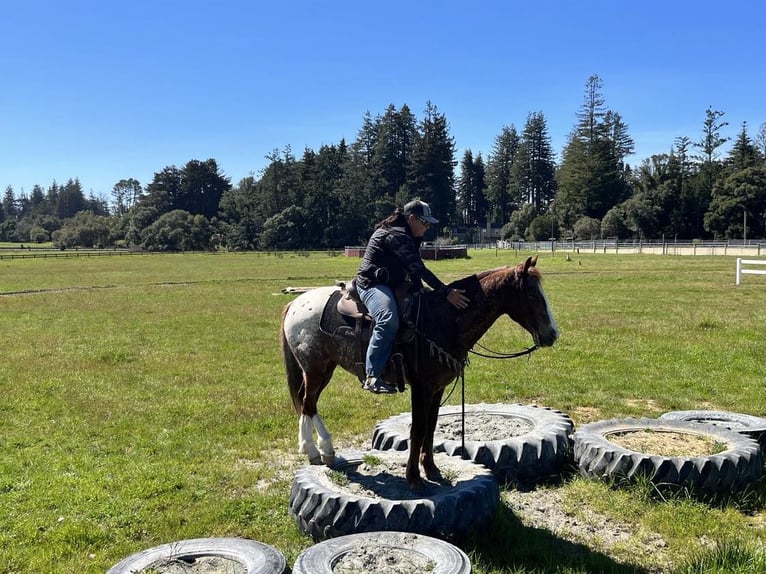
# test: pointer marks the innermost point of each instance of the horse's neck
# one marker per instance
(479, 317)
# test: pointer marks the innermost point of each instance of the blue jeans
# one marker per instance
(381, 303)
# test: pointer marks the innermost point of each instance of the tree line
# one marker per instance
(333, 196)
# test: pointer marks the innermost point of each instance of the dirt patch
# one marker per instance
(201, 565)
(383, 475)
(482, 427)
(367, 558)
(667, 443)
(546, 508)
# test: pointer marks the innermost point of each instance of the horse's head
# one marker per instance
(530, 308)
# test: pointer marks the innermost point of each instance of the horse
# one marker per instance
(433, 360)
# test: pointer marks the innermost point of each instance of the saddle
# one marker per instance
(346, 316)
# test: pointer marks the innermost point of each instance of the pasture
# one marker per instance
(142, 400)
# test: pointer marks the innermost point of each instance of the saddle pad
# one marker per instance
(332, 322)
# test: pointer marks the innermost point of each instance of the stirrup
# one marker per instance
(379, 386)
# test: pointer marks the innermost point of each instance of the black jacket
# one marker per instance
(392, 257)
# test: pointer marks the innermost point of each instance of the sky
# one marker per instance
(104, 90)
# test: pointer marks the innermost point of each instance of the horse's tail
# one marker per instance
(292, 368)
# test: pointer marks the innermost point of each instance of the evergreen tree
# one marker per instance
(744, 152)
(536, 169)
(760, 140)
(503, 195)
(202, 186)
(9, 203)
(710, 165)
(126, 194)
(240, 215)
(432, 166)
(739, 192)
(37, 202)
(70, 199)
(396, 135)
(467, 193)
(741, 196)
(592, 178)
(279, 186)
(321, 180)
(196, 189)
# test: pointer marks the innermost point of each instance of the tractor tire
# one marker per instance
(527, 444)
(392, 552)
(250, 556)
(357, 495)
(736, 467)
(754, 427)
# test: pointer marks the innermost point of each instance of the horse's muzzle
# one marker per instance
(546, 338)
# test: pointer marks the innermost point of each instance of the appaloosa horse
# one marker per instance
(444, 336)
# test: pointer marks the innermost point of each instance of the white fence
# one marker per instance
(741, 270)
(740, 249)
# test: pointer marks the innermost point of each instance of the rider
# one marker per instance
(391, 258)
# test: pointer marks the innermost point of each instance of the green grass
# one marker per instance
(143, 400)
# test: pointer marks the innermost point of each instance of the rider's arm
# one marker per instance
(407, 252)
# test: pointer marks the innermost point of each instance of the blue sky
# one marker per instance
(104, 90)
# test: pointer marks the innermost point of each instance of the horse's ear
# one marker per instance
(530, 262)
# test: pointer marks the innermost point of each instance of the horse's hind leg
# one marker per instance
(310, 420)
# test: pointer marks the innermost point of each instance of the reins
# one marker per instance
(490, 354)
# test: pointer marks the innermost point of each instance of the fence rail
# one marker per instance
(751, 248)
(57, 254)
(742, 270)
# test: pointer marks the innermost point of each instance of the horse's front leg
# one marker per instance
(418, 430)
(427, 450)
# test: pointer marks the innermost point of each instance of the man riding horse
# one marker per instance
(392, 261)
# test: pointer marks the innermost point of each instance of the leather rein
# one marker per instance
(490, 354)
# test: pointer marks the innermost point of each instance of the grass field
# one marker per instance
(142, 400)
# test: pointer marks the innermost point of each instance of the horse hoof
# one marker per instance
(435, 475)
(316, 460)
(328, 459)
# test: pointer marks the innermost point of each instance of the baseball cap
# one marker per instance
(420, 209)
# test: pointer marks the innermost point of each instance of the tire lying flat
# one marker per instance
(252, 557)
(536, 443)
(382, 501)
(387, 551)
(738, 466)
(754, 427)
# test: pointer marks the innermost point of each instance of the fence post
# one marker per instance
(739, 270)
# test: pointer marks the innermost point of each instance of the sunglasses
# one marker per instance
(423, 221)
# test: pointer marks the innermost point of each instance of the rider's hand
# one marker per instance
(457, 298)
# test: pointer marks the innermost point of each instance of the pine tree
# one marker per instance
(71, 199)
(397, 133)
(592, 177)
(9, 203)
(432, 168)
(710, 166)
(536, 169)
(472, 205)
(503, 195)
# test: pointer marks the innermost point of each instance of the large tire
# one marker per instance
(740, 465)
(252, 557)
(532, 444)
(398, 551)
(749, 425)
(382, 501)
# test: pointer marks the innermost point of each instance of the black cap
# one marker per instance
(420, 209)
